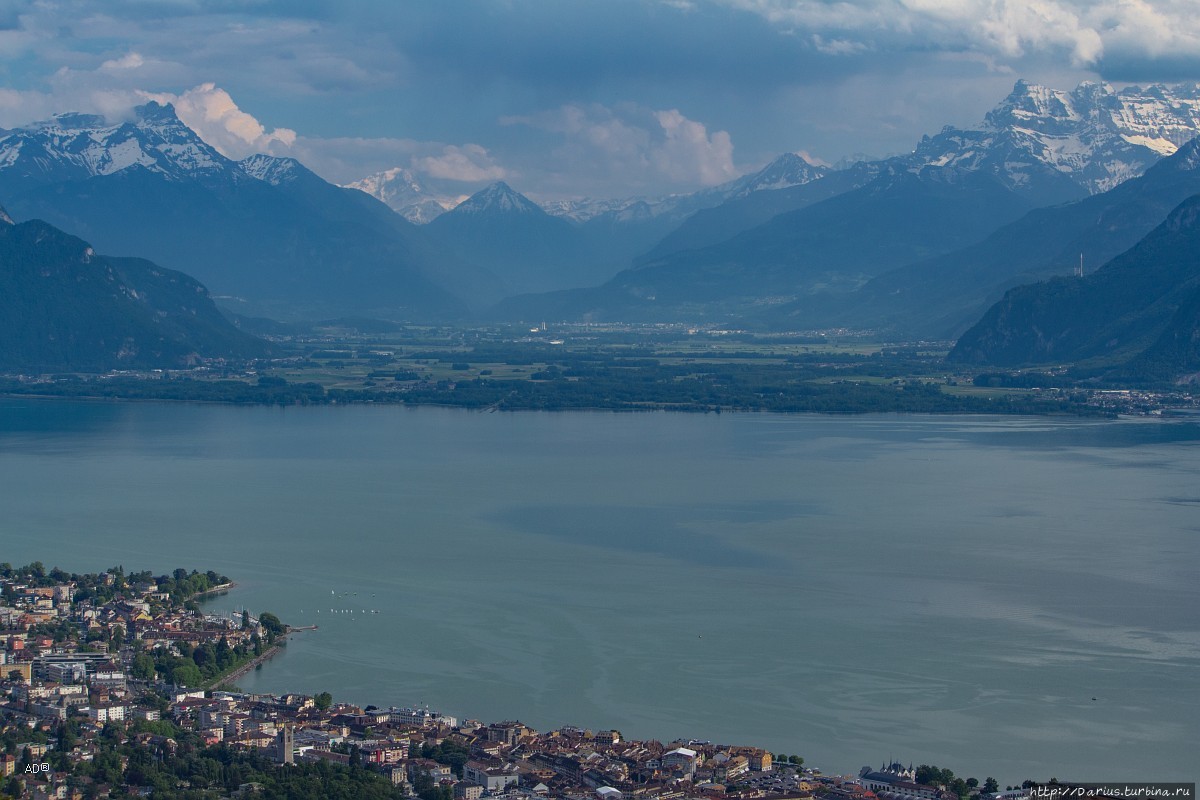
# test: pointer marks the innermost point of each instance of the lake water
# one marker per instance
(1005, 597)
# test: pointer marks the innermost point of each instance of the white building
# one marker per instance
(681, 758)
(109, 712)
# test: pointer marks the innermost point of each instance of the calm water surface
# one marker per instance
(1005, 597)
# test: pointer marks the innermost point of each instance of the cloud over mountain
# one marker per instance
(211, 113)
(427, 86)
(631, 146)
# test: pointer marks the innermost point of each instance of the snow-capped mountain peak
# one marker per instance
(395, 182)
(498, 197)
(404, 194)
(1033, 105)
(789, 169)
(1093, 135)
(79, 146)
(272, 169)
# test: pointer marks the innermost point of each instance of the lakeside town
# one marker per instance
(119, 685)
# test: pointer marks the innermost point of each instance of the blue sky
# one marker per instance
(569, 98)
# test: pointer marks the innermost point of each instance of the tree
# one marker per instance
(797, 760)
(204, 655)
(934, 776)
(990, 785)
(245, 619)
(143, 667)
(323, 701)
(272, 623)
(186, 675)
(225, 657)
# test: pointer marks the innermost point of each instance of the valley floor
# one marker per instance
(622, 368)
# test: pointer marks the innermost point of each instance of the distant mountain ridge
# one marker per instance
(753, 255)
(787, 170)
(79, 146)
(1096, 136)
(515, 239)
(499, 198)
(400, 190)
(941, 297)
(266, 233)
(63, 307)
(580, 243)
(273, 238)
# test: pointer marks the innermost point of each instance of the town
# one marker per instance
(119, 685)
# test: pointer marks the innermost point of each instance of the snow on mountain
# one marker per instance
(790, 169)
(586, 208)
(1090, 138)
(271, 169)
(79, 146)
(498, 197)
(1094, 135)
(404, 194)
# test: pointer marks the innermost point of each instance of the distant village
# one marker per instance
(119, 685)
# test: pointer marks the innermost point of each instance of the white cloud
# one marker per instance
(468, 163)
(213, 115)
(130, 60)
(837, 47)
(689, 151)
(630, 146)
(1083, 30)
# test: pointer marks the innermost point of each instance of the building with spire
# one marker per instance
(895, 781)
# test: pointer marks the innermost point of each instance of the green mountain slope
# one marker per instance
(62, 307)
(1113, 317)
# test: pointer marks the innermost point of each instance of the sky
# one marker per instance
(572, 98)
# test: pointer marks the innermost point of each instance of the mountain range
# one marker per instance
(569, 243)
(402, 192)
(940, 298)
(1037, 148)
(916, 245)
(266, 234)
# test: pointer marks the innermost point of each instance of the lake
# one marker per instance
(1014, 597)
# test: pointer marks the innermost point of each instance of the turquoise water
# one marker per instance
(953, 591)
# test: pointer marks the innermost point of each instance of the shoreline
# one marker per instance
(224, 587)
(262, 658)
(1083, 412)
(252, 664)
